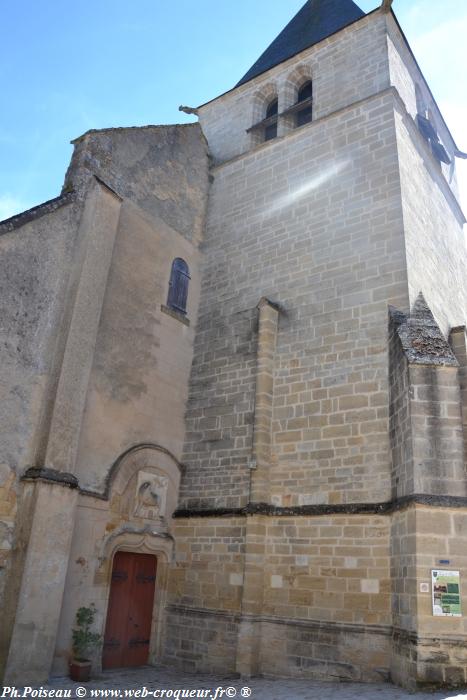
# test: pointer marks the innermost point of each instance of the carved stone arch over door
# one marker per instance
(142, 489)
(132, 514)
(142, 485)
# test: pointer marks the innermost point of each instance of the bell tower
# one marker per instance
(323, 459)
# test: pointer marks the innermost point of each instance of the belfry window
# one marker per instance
(270, 130)
(178, 286)
(304, 98)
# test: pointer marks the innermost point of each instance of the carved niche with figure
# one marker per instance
(151, 496)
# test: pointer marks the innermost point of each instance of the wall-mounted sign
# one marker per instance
(445, 590)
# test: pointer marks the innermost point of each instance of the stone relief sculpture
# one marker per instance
(151, 496)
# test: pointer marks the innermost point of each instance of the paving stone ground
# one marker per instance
(153, 678)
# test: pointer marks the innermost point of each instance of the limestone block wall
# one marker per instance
(427, 439)
(312, 221)
(428, 650)
(442, 657)
(432, 216)
(403, 570)
(333, 568)
(400, 426)
(348, 66)
(120, 368)
(458, 340)
(406, 77)
(403, 659)
(205, 592)
(209, 563)
(36, 252)
(338, 652)
(138, 384)
(323, 597)
(437, 431)
(36, 249)
(136, 393)
(435, 247)
(161, 169)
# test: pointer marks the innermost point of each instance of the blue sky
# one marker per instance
(70, 67)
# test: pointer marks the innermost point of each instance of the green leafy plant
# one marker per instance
(83, 639)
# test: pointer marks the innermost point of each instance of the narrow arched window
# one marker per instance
(305, 95)
(178, 286)
(270, 130)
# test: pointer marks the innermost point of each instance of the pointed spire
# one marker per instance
(317, 20)
(421, 312)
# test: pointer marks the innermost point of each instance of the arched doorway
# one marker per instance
(129, 612)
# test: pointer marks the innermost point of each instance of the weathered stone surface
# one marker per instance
(162, 169)
(421, 337)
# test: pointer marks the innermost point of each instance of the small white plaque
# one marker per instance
(424, 588)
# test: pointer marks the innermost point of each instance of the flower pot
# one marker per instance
(80, 671)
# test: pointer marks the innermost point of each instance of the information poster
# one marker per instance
(445, 586)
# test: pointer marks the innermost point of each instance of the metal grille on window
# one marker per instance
(305, 94)
(270, 131)
(178, 286)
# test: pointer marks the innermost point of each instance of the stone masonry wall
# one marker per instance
(138, 384)
(36, 260)
(36, 249)
(416, 95)
(399, 418)
(458, 341)
(313, 222)
(205, 588)
(436, 255)
(326, 595)
(160, 168)
(437, 431)
(209, 563)
(441, 655)
(330, 568)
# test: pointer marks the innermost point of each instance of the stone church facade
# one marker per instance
(238, 347)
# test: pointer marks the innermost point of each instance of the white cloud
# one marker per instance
(10, 205)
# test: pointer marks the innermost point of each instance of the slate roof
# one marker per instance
(316, 20)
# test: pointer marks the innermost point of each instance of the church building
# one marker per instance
(234, 381)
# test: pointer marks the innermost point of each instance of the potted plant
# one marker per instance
(83, 642)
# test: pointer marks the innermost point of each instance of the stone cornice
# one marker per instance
(236, 617)
(25, 217)
(53, 476)
(383, 508)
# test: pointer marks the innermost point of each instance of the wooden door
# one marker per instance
(129, 614)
